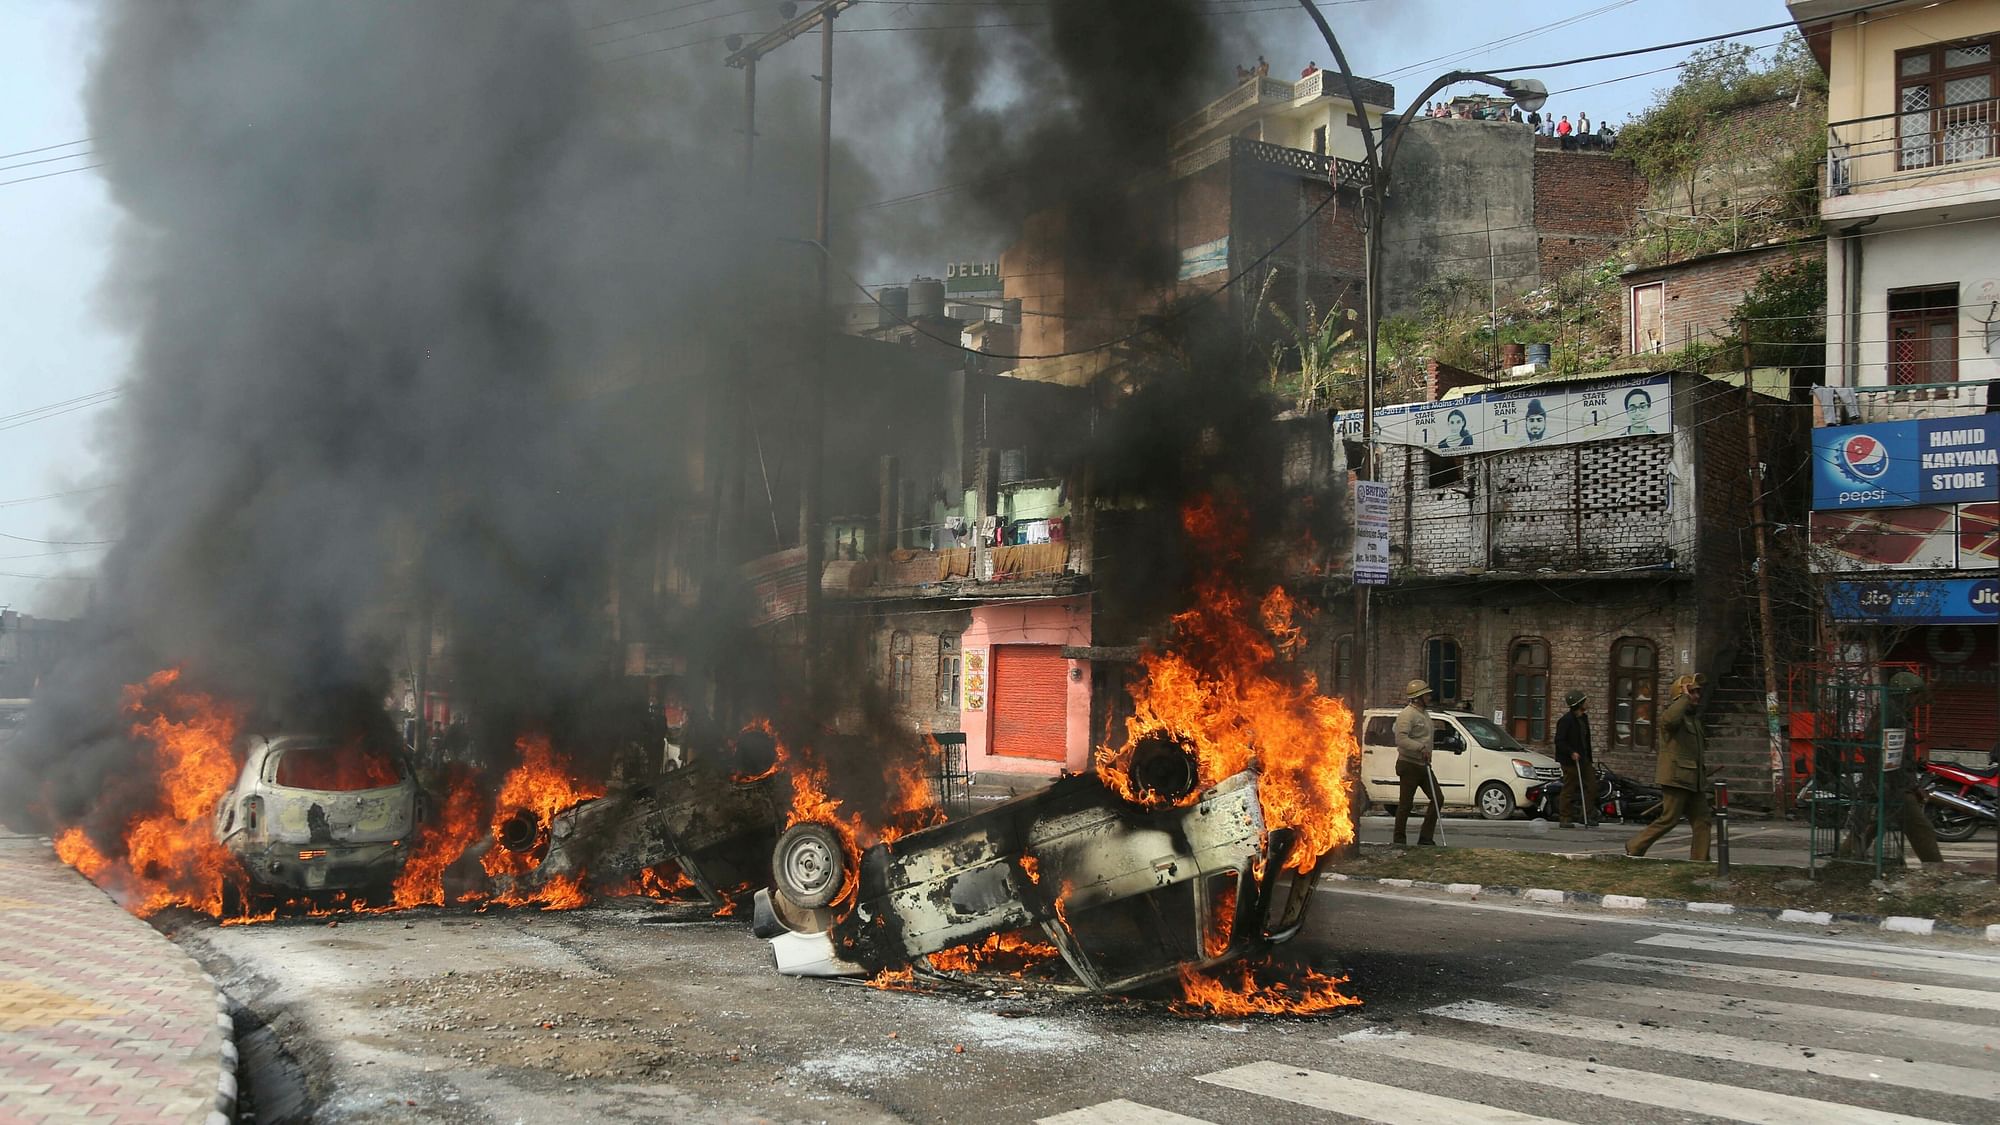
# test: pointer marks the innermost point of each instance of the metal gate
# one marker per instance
(1855, 762)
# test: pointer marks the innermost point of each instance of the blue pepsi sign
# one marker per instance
(1904, 464)
(1940, 601)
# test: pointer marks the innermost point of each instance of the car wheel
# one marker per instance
(1496, 801)
(809, 865)
(232, 899)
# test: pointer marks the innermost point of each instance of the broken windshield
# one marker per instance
(336, 768)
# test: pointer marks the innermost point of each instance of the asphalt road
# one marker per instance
(636, 1013)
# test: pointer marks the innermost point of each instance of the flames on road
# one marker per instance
(169, 857)
(1224, 688)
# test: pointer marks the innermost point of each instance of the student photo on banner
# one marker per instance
(1638, 412)
(1457, 431)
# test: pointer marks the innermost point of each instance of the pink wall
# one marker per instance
(1060, 621)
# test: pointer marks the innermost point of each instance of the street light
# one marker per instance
(1527, 93)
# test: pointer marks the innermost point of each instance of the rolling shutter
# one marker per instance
(1030, 702)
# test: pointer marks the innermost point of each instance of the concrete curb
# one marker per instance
(1551, 897)
(224, 1112)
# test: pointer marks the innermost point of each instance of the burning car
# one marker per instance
(1130, 890)
(311, 815)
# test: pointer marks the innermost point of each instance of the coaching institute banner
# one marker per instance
(1549, 414)
(1907, 464)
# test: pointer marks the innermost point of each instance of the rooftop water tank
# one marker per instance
(926, 297)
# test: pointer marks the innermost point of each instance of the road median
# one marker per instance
(1917, 901)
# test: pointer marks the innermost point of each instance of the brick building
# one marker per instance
(1671, 307)
(1543, 541)
(1586, 203)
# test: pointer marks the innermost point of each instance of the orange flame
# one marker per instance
(1243, 989)
(169, 857)
(541, 786)
(455, 829)
(1222, 924)
(909, 805)
(1010, 953)
(1224, 689)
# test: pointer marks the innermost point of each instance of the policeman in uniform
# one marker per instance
(1573, 751)
(1682, 772)
(1415, 738)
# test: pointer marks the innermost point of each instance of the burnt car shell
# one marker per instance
(1143, 893)
(292, 837)
(715, 827)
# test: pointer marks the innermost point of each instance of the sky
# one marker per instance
(64, 352)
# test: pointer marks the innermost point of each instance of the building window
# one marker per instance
(1319, 141)
(947, 672)
(1441, 667)
(1944, 103)
(1635, 684)
(899, 666)
(1923, 335)
(1528, 689)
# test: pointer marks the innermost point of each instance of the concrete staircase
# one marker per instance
(1739, 741)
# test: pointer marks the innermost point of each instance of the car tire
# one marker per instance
(809, 865)
(1496, 801)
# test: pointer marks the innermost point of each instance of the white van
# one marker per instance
(1476, 762)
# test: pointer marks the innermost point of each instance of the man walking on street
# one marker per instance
(1682, 772)
(1415, 739)
(1573, 752)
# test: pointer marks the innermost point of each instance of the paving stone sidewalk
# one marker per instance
(102, 1019)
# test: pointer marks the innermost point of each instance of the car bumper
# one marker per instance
(322, 867)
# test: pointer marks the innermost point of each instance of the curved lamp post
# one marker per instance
(1527, 93)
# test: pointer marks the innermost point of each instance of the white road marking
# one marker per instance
(1369, 1101)
(1120, 1112)
(1687, 1095)
(1911, 960)
(1580, 920)
(1811, 982)
(1643, 999)
(1804, 1059)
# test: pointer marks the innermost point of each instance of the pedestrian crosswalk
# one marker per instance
(1734, 1026)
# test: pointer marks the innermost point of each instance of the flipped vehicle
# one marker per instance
(706, 818)
(1130, 893)
(1476, 763)
(311, 815)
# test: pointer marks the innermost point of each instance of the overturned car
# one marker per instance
(1130, 892)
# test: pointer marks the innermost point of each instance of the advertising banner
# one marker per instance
(1886, 539)
(1371, 533)
(1550, 414)
(1904, 464)
(1915, 601)
(1979, 536)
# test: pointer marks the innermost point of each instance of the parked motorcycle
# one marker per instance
(1959, 800)
(1618, 797)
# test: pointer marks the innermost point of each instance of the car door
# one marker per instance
(1378, 758)
(1451, 756)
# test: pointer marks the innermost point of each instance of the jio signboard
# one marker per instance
(1943, 601)
(1904, 464)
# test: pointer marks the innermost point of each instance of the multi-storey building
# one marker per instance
(1907, 450)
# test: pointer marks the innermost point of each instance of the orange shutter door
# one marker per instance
(1030, 702)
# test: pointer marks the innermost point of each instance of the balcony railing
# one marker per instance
(1312, 165)
(1890, 149)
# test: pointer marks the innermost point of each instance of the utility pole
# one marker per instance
(811, 488)
(1763, 569)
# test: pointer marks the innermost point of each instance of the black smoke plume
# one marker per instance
(429, 301)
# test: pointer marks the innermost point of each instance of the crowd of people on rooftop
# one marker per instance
(1570, 134)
